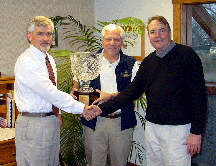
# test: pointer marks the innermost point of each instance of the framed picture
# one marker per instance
(55, 38)
(138, 49)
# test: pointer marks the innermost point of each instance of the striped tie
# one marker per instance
(52, 78)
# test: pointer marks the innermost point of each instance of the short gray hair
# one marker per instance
(160, 19)
(113, 27)
(39, 21)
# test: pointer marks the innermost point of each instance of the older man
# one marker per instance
(173, 81)
(37, 98)
(111, 133)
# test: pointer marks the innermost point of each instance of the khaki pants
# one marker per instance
(37, 141)
(107, 137)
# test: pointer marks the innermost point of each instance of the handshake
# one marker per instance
(91, 112)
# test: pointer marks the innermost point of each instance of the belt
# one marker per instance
(113, 116)
(36, 114)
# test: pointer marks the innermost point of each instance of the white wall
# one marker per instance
(142, 9)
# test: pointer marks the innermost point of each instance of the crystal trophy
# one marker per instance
(86, 66)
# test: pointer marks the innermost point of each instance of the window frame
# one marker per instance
(182, 27)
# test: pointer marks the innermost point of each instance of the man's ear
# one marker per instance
(28, 35)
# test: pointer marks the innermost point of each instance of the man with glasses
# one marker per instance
(37, 131)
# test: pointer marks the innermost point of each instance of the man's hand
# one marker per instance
(193, 143)
(75, 88)
(72, 93)
(89, 113)
(103, 97)
(97, 111)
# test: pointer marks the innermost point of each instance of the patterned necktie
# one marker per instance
(52, 78)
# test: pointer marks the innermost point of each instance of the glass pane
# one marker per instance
(204, 46)
(211, 9)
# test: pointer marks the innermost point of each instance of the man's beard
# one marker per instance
(45, 49)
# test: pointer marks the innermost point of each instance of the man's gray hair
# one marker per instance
(113, 27)
(160, 19)
(39, 21)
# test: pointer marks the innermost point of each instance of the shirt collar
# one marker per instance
(37, 51)
(172, 44)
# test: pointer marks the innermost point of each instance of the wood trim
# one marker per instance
(182, 26)
(7, 142)
(177, 20)
(189, 26)
(140, 58)
(203, 19)
(10, 164)
(192, 1)
(4, 77)
(7, 152)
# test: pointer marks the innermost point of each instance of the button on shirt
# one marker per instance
(33, 90)
(108, 76)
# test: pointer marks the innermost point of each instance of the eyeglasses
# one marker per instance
(110, 39)
(43, 34)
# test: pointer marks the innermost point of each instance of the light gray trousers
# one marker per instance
(37, 141)
(107, 137)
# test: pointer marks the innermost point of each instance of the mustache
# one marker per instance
(45, 42)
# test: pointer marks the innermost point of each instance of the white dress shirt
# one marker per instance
(108, 76)
(33, 90)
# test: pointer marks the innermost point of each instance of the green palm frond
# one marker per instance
(131, 24)
(142, 103)
(72, 147)
(58, 20)
(139, 149)
(128, 24)
(84, 35)
(65, 76)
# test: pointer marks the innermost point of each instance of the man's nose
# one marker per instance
(112, 41)
(157, 34)
(45, 37)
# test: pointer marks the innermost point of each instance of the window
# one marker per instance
(194, 25)
(202, 42)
